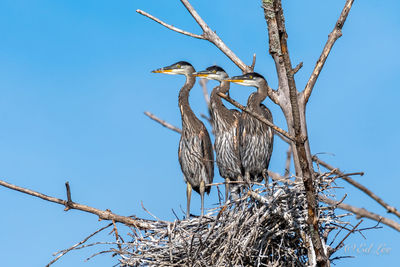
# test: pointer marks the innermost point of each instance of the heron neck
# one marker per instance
(258, 97)
(215, 99)
(183, 100)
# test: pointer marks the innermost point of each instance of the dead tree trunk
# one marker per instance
(294, 111)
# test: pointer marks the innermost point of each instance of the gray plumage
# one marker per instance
(256, 138)
(226, 130)
(195, 149)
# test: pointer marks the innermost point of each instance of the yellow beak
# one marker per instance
(161, 71)
(234, 81)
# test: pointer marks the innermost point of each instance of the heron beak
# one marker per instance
(233, 80)
(162, 70)
(201, 74)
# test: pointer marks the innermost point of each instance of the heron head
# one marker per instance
(181, 67)
(212, 73)
(248, 79)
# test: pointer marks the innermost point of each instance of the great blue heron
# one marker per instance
(195, 149)
(226, 129)
(256, 138)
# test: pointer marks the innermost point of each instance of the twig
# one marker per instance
(151, 214)
(208, 34)
(361, 212)
(298, 67)
(258, 117)
(115, 230)
(103, 215)
(253, 64)
(162, 122)
(390, 209)
(63, 252)
(348, 234)
(204, 116)
(141, 12)
(203, 84)
(69, 201)
(333, 36)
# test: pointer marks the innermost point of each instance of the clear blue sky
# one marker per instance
(75, 79)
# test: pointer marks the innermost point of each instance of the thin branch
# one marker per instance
(333, 36)
(63, 252)
(390, 209)
(162, 122)
(69, 200)
(348, 234)
(211, 36)
(141, 12)
(258, 117)
(103, 215)
(117, 237)
(253, 64)
(361, 212)
(203, 84)
(298, 67)
(208, 34)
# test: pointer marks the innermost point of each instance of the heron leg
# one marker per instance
(266, 178)
(247, 179)
(202, 190)
(188, 196)
(236, 189)
(227, 187)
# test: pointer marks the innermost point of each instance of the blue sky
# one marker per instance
(75, 80)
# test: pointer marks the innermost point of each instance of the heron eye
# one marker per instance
(251, 77)
(178, 66)
(214, 71)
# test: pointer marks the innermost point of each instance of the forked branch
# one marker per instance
(333, 36)
(207, 34)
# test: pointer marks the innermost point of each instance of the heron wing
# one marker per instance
(208, 154)
(268, 116)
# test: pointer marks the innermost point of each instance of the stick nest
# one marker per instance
(266, 227)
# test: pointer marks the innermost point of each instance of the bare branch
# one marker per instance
(288, 100)
(162, 122)
(253, 64)
(390, 209)
(208, 34)
(103, 215)
(258, 117)
(203, 84)
(298, 67)
(214, 38)
(361, 212)
(63, 252)
(69, 200)
(333, 36)
(348, 234)
(141, 12)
